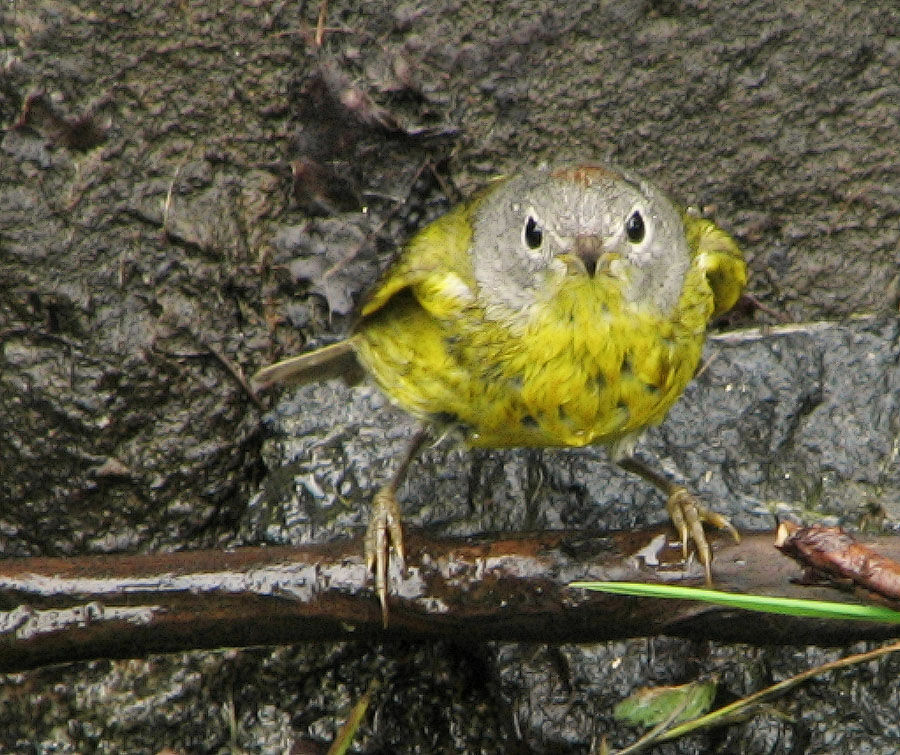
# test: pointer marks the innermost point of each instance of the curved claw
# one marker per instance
(688, 515)
(384, 533)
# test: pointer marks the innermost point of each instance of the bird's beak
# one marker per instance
(588, 256)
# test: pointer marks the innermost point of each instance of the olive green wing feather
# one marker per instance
(720, 259)
(434, 267)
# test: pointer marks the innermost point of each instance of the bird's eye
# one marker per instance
(634, 228)
(533, 233)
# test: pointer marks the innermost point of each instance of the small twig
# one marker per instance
(307, 36)
(757, 304)
(237, 373)
(450, 192)
(209, 350)
(167, 203)
(347, 732)
(705, 366)
(739, 708)
(320, 26)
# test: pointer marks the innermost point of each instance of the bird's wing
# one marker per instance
(719, 258)
(435, 267)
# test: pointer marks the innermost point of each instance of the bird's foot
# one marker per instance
(688, 515)
(383, 535)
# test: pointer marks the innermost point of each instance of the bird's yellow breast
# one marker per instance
(586, 367)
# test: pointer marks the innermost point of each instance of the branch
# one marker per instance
(500, 588)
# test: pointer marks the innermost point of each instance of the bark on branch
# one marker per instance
(503, 588)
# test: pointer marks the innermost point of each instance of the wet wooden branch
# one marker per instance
(511, 588)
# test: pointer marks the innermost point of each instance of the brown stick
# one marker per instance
(120, 606)
(831, 553)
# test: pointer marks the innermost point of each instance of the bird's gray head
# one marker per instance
(536, 227)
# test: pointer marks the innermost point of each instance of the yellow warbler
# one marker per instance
(558, 307)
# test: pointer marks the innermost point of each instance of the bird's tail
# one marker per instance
(336, 360)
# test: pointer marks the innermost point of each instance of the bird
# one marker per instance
(560, 306)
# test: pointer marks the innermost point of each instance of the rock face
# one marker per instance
(187, 192)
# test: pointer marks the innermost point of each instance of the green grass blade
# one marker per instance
(767, 604)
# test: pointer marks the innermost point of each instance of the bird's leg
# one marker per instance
(685, 511)
(385, 530)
